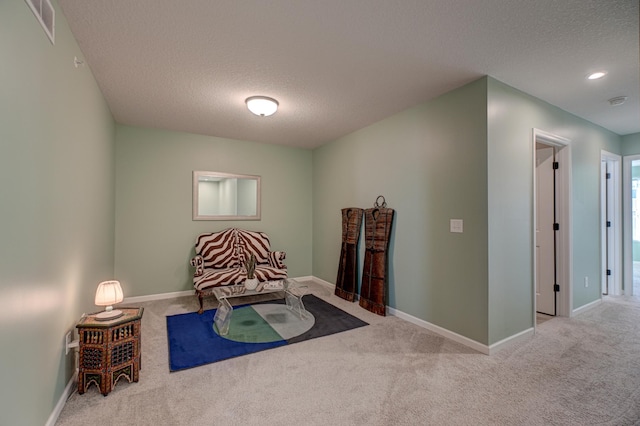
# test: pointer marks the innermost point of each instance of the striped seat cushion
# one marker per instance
(217, 277)
(269, 273)
(230, 276)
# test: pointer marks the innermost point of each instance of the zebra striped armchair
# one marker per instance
(220, 258)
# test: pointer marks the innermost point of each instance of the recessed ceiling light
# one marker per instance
(596, 75)
(262, 105)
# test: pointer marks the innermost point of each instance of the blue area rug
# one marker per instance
(194, 342)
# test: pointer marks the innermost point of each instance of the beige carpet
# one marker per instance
(579, 371)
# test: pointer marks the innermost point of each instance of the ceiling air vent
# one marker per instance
(46, 16)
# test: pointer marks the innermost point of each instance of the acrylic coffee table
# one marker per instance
(289, 288)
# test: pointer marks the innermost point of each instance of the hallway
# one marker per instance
(636, 279)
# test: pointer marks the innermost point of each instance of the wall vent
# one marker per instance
(46, 15)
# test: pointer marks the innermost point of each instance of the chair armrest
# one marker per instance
(276, 259)
(198, 262)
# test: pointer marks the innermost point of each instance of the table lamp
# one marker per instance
(108, 294)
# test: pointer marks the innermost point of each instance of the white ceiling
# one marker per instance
(336, 66)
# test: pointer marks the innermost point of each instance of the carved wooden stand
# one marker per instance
(109, 350)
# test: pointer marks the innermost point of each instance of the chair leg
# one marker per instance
(200, 297)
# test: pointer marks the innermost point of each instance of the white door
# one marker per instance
(608, 236)
(545, 244)
(611, 237)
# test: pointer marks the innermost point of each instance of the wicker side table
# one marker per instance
(109, 350)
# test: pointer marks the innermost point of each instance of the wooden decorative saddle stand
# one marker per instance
(373, 288)
(347, 282)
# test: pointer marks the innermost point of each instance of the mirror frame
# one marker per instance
(196, 196)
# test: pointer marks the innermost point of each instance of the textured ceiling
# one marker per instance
(336, 66)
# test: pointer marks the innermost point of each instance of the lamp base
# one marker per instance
(109, 315)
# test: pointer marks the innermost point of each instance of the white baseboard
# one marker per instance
(480, 347)
(159, 296)
(586, 307)
(523, 335)
(318, 280)
(440, 330)
(171, 295)
(68, 390)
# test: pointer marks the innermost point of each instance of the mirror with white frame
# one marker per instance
(225, 196)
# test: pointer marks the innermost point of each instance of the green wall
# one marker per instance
(631, 144)
(465, 155)
(84, 200)
(430, 164)
(155, 233)
(56, 209)
(512, 116)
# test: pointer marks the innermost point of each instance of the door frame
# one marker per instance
(613, 160)
(626, 215)
(563, 215)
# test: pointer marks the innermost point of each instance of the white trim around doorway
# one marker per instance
(563, 214)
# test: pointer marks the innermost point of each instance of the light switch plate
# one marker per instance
(455, 225)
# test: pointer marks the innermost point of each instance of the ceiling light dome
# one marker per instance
(262, 105)
(596, 75)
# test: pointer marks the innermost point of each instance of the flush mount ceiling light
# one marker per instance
(262, 105)
(596, 75)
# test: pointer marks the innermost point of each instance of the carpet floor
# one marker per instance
(575, 371)
(193, 341)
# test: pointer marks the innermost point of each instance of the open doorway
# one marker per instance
(552, 226)
(546, 247)
(631, 198)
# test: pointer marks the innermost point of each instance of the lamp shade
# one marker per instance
(262, 105)
(109, 293)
